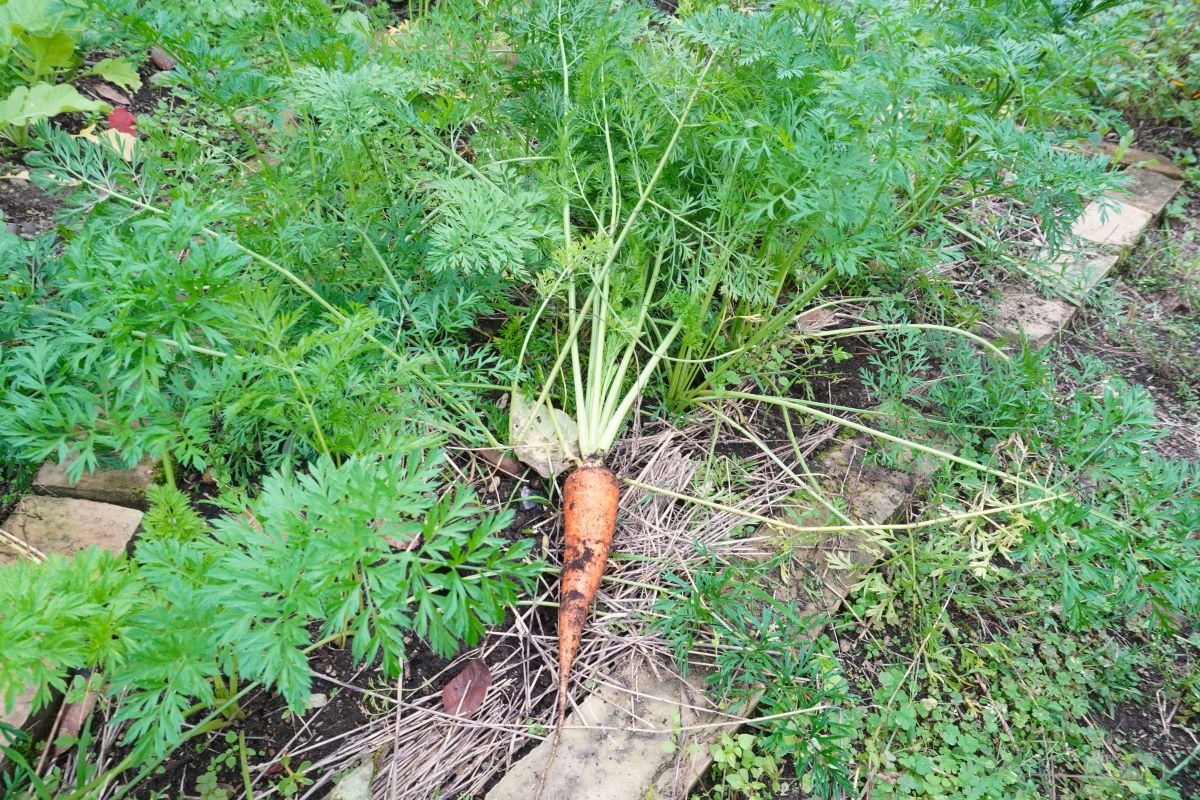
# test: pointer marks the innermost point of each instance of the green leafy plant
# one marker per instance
(26, 105)
(763, 649)
(171, 516)
(1159, 78)
(294, 779)
(365, 551)
(743, 770)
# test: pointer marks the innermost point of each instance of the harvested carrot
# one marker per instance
(589, 512)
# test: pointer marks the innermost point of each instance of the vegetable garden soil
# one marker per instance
(1151, 727)
(829, 381)
(148, 96)
(840, 383)
(271, 732)
(144, 101)
(14, 483)
(28, 211)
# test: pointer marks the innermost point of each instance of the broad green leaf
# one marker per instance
(27, 15)
(29, 104)
(49, 51)
(354, 22)
(118, 71)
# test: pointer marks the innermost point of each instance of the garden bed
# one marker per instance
(352, 298)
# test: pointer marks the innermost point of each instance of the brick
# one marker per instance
(1111, 222)
(64, 525)
(1078, 273)
(612, 763)
(1021, 310)
(1150, 191)
(1140, 159)
(122, 487)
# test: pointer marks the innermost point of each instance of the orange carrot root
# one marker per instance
(589, 511)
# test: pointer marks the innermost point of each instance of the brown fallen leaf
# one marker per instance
(160, 59)
(502, 462)
(464, 694)
(75, 710)
(815, 320)
(73, 718)
(111, 94)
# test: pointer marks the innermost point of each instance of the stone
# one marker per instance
(1133, 157)
(1111, 222)
(355, 783)
(1078, 273)
(874, 494)
(18, 717)
(45, 525)
(1021, 310)
(77, 707)
(122, 487)
(34, 724)
(1150, 191)
(1151, 162)
(616, 743)
(64, 525)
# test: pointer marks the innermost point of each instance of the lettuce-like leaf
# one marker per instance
(117, 71)
(28, 104)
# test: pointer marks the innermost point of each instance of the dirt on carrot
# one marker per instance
(589, 510)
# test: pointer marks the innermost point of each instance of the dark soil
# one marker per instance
(1168, 140)
(145, 100)
(202, 491)
(272, 733)
(27, 210)
(1159, 725)
(14, 484)
(840, 383)
(825, 380)
(1167, 722)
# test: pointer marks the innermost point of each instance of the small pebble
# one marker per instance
(526, 503)
(318, 700)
